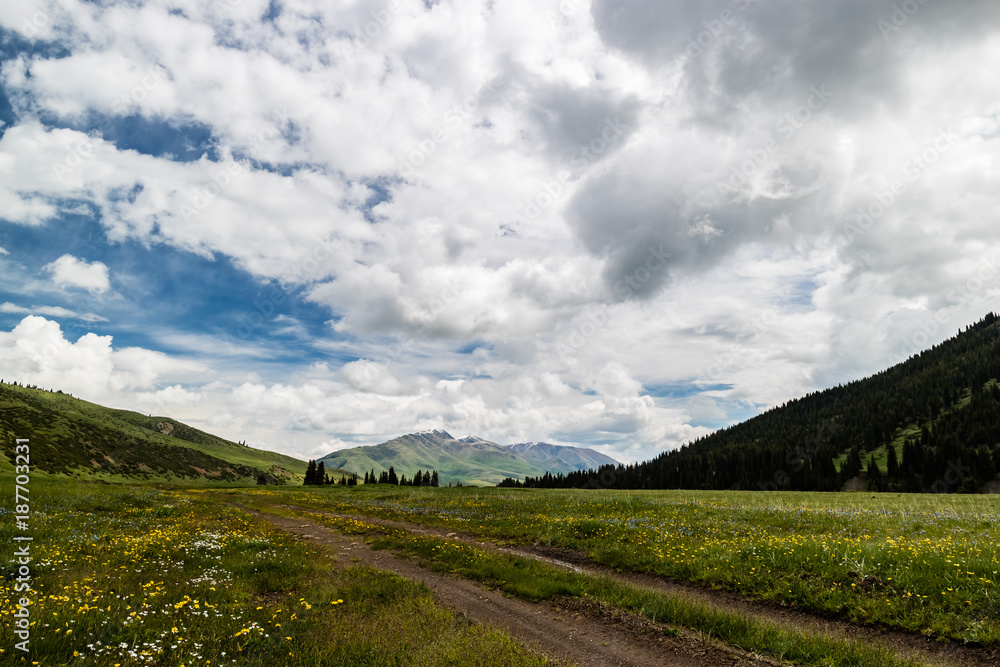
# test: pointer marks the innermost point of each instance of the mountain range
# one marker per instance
(470, 460)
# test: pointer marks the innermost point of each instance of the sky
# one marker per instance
(618, 224)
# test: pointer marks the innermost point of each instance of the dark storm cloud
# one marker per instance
(581, 125)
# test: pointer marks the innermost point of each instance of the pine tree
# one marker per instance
(366, 477)
(434, 478)
(310, 473)
(392, 476)
(321, 477)
(874, 475)
(427, 478)
(419, 477)
(851, 467)
(892, 464)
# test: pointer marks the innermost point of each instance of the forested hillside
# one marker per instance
(931, 423)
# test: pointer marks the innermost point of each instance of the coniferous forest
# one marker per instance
(929, 424)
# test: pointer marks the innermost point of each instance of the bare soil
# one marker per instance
(569, 631)
(904, 644)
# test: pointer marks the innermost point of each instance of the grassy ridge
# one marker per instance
(70, 436)
(925, 563)
(129, 576)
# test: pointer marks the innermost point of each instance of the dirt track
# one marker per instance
(585, 635)
(904, 644)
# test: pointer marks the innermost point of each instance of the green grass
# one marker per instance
(130, 575)
(922, 563)
(533, 580)
(89, 441)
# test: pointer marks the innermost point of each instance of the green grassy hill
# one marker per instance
(70, 436)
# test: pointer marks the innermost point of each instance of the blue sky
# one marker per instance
(620, 225)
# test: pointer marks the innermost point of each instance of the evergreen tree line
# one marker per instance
(316, 475)
(949, 391)
(14, 383)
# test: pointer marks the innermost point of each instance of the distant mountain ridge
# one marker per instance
(470, 460)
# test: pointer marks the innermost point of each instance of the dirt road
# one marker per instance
(923, 649)
(584, 635)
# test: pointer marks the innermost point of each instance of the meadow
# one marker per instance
(927, 564)
(127, 575)
(134, 575)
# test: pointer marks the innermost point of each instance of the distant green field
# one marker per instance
(136, 576)
(923, 563)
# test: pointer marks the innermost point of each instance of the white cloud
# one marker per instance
(50, 311)
(593, 212)
(73, 272)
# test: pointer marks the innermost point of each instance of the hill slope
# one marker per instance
(470, 460)
(931, 423)
(69, 436)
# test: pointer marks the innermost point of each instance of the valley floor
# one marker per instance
(136, 575)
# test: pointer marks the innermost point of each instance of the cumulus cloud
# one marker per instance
(525, 220)
(69, 271)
